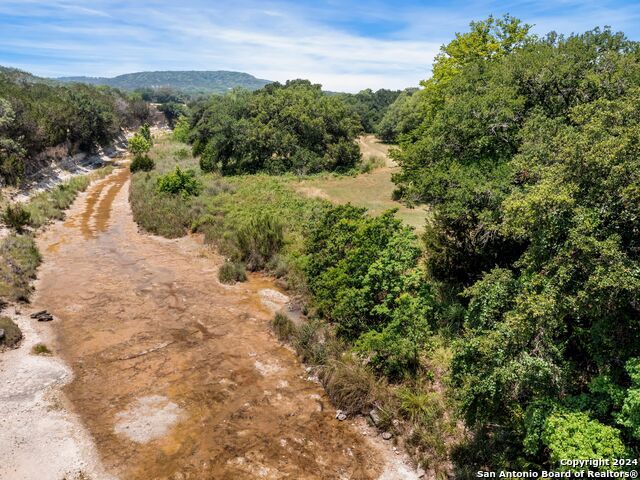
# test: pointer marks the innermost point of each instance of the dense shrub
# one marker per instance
(16, 217)
(357, 266)
(395, 349)
(181, 129)
(138, 145)
(179, 182)
(145, 132)
(142, 163)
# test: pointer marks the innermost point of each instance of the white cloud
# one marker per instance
(345, 45)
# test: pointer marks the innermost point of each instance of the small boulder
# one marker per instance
(387, 435)
(37, 314)
(341, 416)
(1, 334)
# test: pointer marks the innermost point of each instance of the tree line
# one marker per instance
(526, 148)
(42, 119)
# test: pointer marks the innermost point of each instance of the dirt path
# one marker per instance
(373, 190)
(175, 375)
(370, 146)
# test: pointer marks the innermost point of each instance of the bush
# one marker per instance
(395, 350)
(142, 163)
(350, 385)
(139, 145)
(283, 327)
(231, 272)
(179, 182)
(575, 435)
(16, 217)
(357, 265)
(259, 239)
(181, 129)
(12, 334)
(370, 163)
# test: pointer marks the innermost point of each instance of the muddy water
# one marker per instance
(176, 375)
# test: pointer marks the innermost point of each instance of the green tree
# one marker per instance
(139, 145)
(145, 132)
(281, 128)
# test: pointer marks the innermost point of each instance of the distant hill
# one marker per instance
(20, 76)
(191, 82)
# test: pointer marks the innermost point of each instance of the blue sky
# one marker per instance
(346, 45)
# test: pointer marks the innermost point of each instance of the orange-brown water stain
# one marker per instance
(90, 204)
(142, 316)
(103, 212)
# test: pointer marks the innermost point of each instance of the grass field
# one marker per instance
(371, 190)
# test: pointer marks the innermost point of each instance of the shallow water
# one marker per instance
(147, 328)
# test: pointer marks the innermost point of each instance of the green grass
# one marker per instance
(12, 334)
(373, 191)
(41, 349)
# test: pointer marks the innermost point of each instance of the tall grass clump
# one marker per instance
(231, 272)
(19, 259)
(351, 386)
(258, 239)
(283, 327)
(370, 163)
(16, 217)
(433, 430)
(309, 342)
